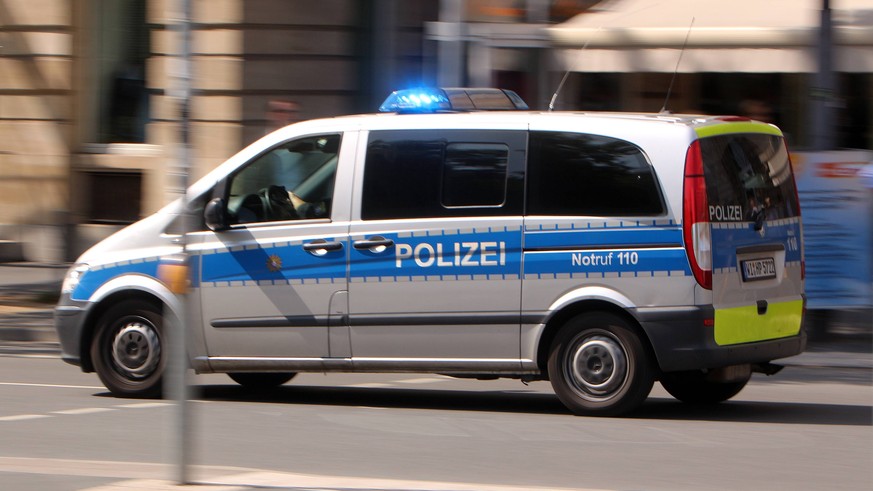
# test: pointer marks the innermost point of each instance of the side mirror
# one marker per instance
(215, 216)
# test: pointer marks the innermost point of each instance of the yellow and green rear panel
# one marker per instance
(739, 325)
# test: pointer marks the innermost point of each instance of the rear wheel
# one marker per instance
(599, 366)
(693, 387)
(261, 381)
(128, 350)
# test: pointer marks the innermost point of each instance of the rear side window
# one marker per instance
(748, 177)
(442, 173)
(589, 175)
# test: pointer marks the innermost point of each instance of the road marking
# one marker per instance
(85, 410)
(22, 417)
(426, 380)
(52, 386)
(145, 405)
(155, 477)
(26, 355)
(370, 385)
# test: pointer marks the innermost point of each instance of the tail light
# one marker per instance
(696, 228)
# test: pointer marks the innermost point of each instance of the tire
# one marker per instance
(598, 366)
(128, 349)
(693, 388)
(261, 381)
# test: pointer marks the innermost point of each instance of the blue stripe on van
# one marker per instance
(596, 237)
(598, 263)
(284, 262)
(95, 278)
(728, 237)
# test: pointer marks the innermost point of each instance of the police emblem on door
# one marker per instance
(274, 263)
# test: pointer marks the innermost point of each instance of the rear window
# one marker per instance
(748, 177)
(575, 174)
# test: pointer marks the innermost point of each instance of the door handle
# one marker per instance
(321, 247)
(374, 244)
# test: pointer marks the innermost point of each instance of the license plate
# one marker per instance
(759, 269)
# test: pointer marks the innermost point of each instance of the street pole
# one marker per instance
(824, 86)
(176, 271)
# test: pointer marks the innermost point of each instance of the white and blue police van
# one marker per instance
(475, 238)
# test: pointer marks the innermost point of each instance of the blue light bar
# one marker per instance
(416, 100)
(426, 100)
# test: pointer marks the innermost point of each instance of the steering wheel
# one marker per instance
(277, 204)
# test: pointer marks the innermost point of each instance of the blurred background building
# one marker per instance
(89, 130)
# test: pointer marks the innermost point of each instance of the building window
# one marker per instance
(114, 197)
(120, 48)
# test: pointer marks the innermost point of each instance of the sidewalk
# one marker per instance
(28, 292)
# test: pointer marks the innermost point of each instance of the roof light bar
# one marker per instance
(428, 100)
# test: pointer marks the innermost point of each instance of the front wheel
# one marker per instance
(128, 349)
(694, 388)
(599, 366)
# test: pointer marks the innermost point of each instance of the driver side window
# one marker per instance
(293, 181)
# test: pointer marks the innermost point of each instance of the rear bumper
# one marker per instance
(681, 341)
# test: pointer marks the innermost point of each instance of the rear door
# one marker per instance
(757, 271)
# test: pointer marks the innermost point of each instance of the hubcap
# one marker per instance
(136, 349)
(597, 366)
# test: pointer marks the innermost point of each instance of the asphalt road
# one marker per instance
(807, 428)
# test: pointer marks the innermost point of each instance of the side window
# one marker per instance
(442, 173)
(293, 181)
(589, 175)
(474, 174)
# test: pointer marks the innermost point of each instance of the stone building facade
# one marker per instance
(88, 120)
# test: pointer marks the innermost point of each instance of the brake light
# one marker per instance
(696, 229)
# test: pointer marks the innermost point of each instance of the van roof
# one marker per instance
(703, 125)
(628, 125)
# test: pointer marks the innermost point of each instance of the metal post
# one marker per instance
(450, 51)
(177, 371)
(824, 86)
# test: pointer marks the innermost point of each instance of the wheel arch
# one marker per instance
(115, 291)
(560, 317)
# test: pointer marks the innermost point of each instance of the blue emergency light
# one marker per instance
(429, 100)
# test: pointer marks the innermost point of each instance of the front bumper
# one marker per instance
(69, 320)
(682, 341)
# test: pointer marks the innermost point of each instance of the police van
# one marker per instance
(474, 238)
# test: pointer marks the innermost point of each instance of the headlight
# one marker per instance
(74, 275)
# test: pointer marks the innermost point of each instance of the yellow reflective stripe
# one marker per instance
(744, 324)
(737, 127)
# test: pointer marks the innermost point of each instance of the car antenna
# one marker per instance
(569, 70)
(567, 73)
(673, 79)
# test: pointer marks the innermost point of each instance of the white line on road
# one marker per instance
(154, 477)
(22, 417)
(52, 386)
(85, 410)
(145, 405)
(426, 380)
(26, 355)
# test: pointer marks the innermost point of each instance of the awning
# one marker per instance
(763, 36)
